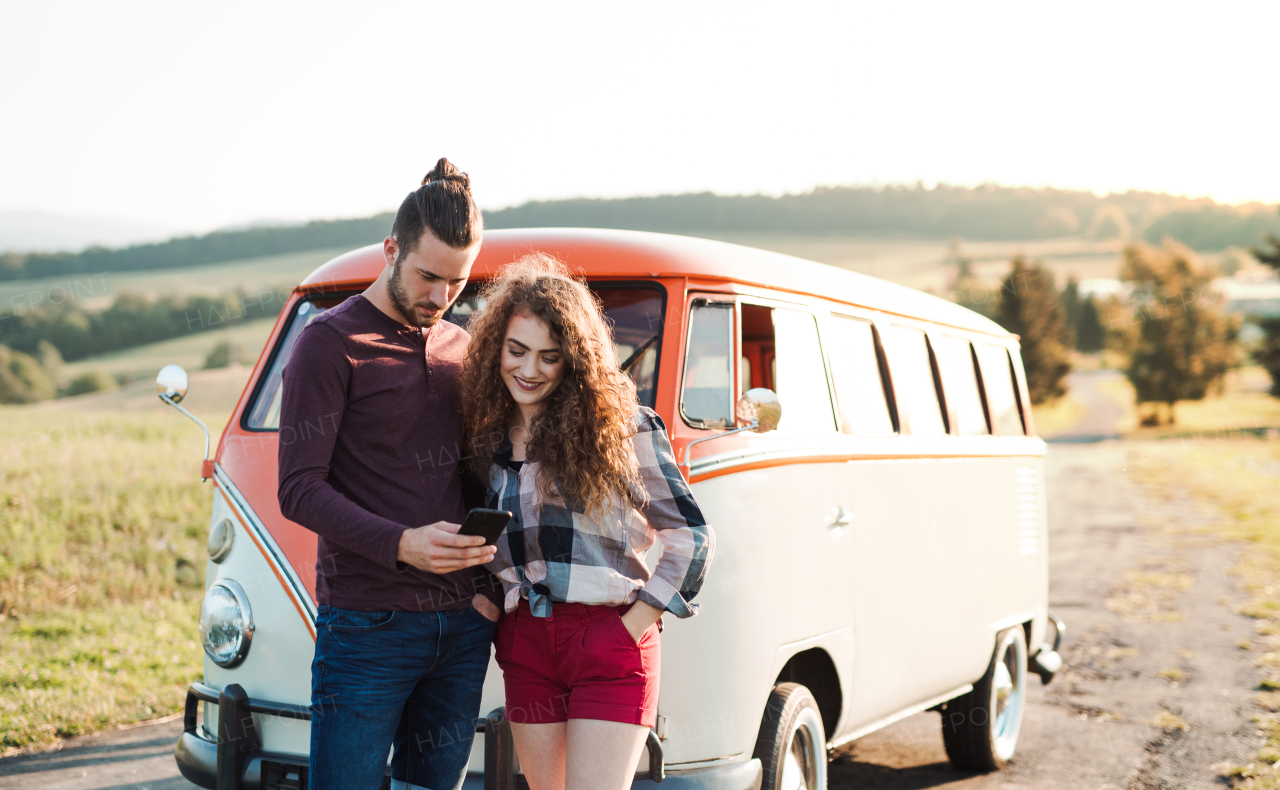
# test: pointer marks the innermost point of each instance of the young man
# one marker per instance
(403, 626)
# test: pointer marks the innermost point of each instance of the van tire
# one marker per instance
(792, 743)
(980, 729)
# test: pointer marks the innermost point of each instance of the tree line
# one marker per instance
(35, 342)
(980, 213)
(1171, 327)
(214, 247)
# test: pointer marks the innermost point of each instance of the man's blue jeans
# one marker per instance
(411, 680)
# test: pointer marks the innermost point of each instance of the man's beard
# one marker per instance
(400, 299)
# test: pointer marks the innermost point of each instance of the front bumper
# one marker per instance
(1046, 661)
(235, 761)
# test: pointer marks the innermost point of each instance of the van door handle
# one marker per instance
(840, 518)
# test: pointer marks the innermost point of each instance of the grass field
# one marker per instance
(189, 351)
(1243, 407)
(98, 290)
(102, 528)
(1054, 418)
(918, 263)
(921, 263)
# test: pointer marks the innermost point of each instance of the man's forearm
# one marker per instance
(310, 501)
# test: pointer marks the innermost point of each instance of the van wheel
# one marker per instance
(980, 729)
(792, 745)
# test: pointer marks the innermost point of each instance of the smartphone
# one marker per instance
(486, 523)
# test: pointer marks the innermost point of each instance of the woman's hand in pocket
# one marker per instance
(486, 607)
(639, 618)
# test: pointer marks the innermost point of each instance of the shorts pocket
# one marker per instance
(627, 638)
(351, 620)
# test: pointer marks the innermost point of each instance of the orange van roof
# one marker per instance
(630, 253)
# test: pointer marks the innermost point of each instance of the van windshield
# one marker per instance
(635, 313)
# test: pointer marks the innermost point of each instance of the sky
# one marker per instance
(197, 116)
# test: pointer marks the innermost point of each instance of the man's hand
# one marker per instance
(437, 548)
(639, 618)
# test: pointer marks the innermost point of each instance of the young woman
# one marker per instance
(592, 481)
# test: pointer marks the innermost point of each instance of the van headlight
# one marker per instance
(226, 623)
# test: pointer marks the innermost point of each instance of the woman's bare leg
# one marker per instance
(541, 749)
(602, 755)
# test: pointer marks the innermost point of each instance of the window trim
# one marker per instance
(731, 305)
(939, 390)
(982, 390)
(977, 375)
(817, 316)
(993, 427)
(267, 366)
(882, 365)
(1017, 391)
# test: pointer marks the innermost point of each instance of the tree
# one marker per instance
(22, 380)
(1071, 305)
(1030, 307)
(1269, 257)
(93, 381)
(1268, 354)
(1179, 342)
(1090, 334)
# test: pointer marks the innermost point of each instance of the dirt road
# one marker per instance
(1153, 645)
(1158, 688)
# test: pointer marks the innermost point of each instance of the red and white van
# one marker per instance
(881, 552)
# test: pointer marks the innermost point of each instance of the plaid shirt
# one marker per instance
(551, 552)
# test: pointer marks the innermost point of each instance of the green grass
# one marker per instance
(71, 671)
(102, 530)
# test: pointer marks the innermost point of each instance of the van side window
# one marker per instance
(960, 384)
(784, 355)
(997, 382)
(855, 366)
(706, 395)
(913, 383)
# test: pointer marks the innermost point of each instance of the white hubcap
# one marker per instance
(804, 762)
(1008, 697)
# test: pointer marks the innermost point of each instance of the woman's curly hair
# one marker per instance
(582, 437)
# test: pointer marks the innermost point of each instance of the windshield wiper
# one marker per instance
(639, 352)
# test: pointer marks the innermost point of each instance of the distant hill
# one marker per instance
(28, 231)
(197, 250)
(985, 213)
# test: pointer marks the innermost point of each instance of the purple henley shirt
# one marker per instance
(370, 436)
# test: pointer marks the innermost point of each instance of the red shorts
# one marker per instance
(580, 663)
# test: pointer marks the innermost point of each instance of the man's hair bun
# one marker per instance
(445, 171)
(442, 205)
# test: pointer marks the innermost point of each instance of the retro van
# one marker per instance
(864, 451)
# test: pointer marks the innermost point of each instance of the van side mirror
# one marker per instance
(172, 382)
(171, 387)
(759, 408)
